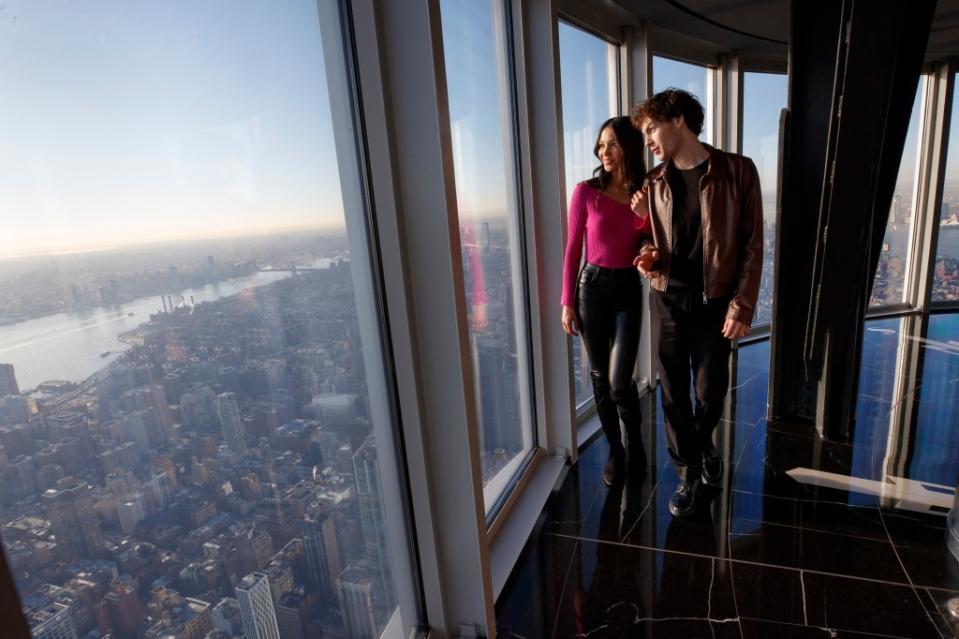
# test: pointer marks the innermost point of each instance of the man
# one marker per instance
(704, 263)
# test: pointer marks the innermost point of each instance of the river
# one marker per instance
(68, 346)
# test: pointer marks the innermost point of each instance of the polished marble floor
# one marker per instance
(805, 538)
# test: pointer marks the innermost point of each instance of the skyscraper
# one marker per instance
(73, 518)
(256, 607)
(121, 611)
(368, 493)
(230, 422)
(290, 613)
(322, 553)
(356, 601)
(8, 381)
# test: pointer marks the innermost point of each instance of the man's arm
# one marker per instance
(743, 305)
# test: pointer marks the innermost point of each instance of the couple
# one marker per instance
(693, 226)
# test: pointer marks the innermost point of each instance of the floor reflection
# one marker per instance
(806, 538)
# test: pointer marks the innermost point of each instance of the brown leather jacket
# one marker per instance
(732, 211)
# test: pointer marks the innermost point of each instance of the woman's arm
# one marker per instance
(575, 230)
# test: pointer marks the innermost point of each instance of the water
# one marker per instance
(68, 345)
(898, 240)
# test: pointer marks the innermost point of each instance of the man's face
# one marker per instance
(662, 136)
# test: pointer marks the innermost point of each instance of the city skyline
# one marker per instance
(179, 435)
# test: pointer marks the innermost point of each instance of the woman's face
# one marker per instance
(609, 151)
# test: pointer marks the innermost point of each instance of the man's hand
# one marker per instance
(570, 322)
(646, 261)
(639, 204)
(734, 329)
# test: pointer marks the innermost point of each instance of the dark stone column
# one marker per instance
(854, 71)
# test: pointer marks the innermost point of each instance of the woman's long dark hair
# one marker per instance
(631, 142)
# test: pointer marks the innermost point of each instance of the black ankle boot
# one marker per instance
(615, 472)
(712, 467)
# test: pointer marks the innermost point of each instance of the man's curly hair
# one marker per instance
(670, 104)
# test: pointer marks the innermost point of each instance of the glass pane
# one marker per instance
(764, 96)
(936, 438)
(889, 284)
(588, 68)
(945, 285)
(192, 424)
(481, 122)
(696, 79)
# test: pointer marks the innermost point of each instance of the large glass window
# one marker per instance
(764, 97)
(194, 430)
(889, 284)
(698, 80)
(588, 74)
(945, 286)
(479, 83)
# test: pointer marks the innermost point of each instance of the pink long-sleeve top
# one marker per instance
(612, 233)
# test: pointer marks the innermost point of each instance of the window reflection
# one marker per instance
(945, 286)
(481, 120)
(889, 283)
(764, 97)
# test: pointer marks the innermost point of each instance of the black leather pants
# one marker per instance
(610, 313)
(687, 338)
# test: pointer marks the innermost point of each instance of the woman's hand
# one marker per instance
(639, 204)
(570, 322)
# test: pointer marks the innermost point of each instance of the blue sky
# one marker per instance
(131, 121)
(146, 120)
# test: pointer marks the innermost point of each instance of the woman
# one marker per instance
(603, 302)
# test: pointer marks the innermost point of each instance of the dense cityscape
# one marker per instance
(891, 272)
(218, 479)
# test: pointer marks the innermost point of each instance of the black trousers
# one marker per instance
(687, 338)
(609, 307)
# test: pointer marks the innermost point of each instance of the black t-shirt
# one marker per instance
(686, 256)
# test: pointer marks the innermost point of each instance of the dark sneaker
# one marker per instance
(712, 467)
(615, 472)
(683, 502)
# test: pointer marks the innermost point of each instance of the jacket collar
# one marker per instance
(716, 169)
